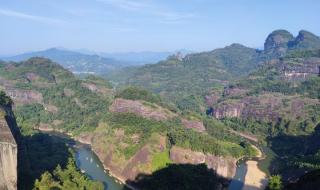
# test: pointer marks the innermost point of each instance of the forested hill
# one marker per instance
(47, 95)
(178, 78)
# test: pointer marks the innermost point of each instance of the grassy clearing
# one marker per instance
(160, 160)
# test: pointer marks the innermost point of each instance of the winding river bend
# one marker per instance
(88, 162)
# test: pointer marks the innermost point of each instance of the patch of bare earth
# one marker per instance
(192, 124)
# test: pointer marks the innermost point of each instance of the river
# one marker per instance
(237, 182)
(88, 162)
(248, 174)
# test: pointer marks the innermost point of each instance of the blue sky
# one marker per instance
(155, 25)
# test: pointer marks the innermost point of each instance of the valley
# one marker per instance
(204, 117)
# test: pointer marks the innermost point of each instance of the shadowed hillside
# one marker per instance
(180, 177)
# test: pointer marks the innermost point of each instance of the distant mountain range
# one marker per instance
(74, 61)
(85, 61)
(142, 58)
(198, 73)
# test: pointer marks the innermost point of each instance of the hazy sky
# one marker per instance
(156, 25)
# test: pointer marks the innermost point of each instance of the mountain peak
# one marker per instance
(237, 45)
(305, 32)
(39, 60)
(305, 40)
(276, 42)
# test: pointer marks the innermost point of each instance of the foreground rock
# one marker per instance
(8, 156)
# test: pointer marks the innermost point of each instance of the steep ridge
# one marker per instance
(186, 80)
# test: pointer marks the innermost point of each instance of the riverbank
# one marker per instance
(255, 179)
(86, 142)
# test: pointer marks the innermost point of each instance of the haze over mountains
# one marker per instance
(86, 62)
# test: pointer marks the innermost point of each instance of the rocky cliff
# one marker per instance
(8, 155)
(225, 167)
(265, 107)
(300, 68)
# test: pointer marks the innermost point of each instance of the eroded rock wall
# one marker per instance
(8, 156)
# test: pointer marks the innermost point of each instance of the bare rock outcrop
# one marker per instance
(24, 96)
(228, 110)
(141, 108)
(265, 107)
(85, 138)
(192, 124)
(225, 167)
(303, 69)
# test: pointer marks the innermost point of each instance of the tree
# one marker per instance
(46, 182)
(69, 178)
(275, 182)
(4, 99)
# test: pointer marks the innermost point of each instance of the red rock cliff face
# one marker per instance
(139, 107)
(267, 107)
(260, 108)
(225, 167)
(228, 110)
